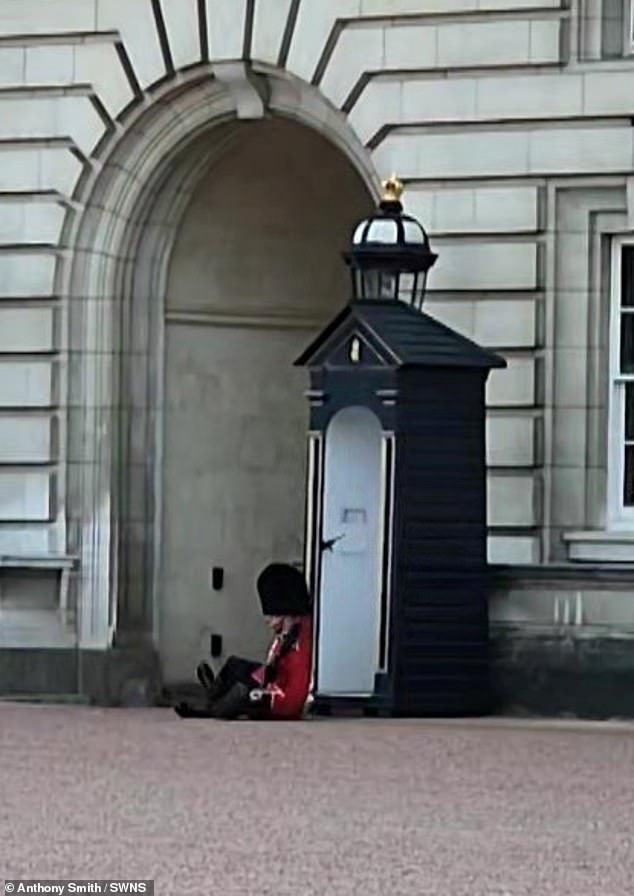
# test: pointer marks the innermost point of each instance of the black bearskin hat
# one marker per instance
(283, 591)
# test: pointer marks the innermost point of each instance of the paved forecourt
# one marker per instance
(497, 807)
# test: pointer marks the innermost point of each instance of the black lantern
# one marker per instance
(390, 255)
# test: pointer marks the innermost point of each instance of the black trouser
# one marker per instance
(228, 693)
(236, 670)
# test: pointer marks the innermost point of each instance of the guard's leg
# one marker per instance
(237, 669)
(233, 704)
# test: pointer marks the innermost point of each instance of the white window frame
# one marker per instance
(620, 516)
(629, 41)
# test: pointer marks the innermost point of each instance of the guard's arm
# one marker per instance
(289, 640)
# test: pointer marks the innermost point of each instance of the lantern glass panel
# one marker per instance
(419, 289)
(407, 286)
(377, 284)
(358, 285)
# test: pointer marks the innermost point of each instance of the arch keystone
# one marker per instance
(248, 90)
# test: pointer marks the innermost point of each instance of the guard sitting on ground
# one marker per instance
(279, 687)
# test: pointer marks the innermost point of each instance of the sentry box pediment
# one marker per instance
(390, 334)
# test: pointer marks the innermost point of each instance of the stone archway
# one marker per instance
(122, 250)
(255, 271)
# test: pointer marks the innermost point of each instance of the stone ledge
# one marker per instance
(600, 546)
(38, 561)
(586, 573)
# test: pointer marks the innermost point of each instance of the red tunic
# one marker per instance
(290, 688)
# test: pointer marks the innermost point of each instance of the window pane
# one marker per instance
(629, 412)
(628, 479)
(627, 276)
(371, 288)
(627, 343)
(406, 287)
(379, 285)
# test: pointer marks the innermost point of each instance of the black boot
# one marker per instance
(205, 675)
(187, 711)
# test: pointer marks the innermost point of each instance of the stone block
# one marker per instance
(573, 262)
(495, 323)
(611, 608)
(25, 440)
(25, 496)
(26, 330)
(483, 43)
(512, 501)
(315, 21)
(409, 45)
(501, 323)
(568, 497)
(79, 120)
(26, 274)
(59, 170)
(506, 209)
(443, 155)
(570, 307)
(513, 386)
(52, 17)
(50, 65)
(570, 437)
(29, 540)
(37, 118)
(545, 41)
(482, 210)
(12, 222)
(484, 266)
(608, 93)
(435, 101)
(26, 384)
(98, 64)
(366, 122)
(534, 606)
(459, 44)
(356, 51)
(19, 170)
(413, 7)
(30, 222)
(27, 170)
(29, 117)
(458, 314)
(581, 150)
(510, 441)
(269, 24)
(511, 153)
(529, 96)
(135, 22)
(513, 550)
(12, 66)
(181, 24)
(571, 376)
(225, 28)
(43, 222)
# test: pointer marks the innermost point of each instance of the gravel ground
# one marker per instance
(323, 807)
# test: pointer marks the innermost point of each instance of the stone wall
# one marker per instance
(511, 124)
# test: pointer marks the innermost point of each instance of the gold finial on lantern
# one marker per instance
(392, 189)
